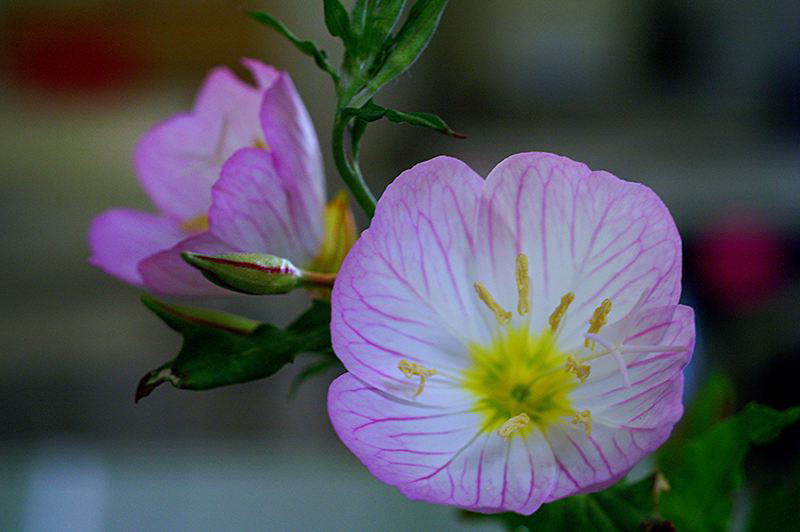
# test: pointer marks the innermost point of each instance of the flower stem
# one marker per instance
(349, 169)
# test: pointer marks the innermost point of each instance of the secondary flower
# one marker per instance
(513, 341)
(241, 172)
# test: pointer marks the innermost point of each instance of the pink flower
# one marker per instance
(241, 172)
(513, 341)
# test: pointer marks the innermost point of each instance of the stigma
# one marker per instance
(513, 424)
(584, 417)
(411, 369)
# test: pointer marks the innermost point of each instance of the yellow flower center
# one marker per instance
(198, 224)
(339, 234)
(520, 372)
(522, 379)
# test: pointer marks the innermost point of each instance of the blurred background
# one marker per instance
(698, 100)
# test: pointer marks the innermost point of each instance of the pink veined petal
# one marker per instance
(591, 464)
(405, 289)
(166, 273)
(292, 143)
(654, 397)
(120, 238)
(253, 212)
(439, 455)
(178, 160)
(585, 232)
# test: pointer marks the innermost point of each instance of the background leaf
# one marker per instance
(410, 41)
(306, 47)
(709, 473)
(231, 350)
(337, 21)
(370, 112)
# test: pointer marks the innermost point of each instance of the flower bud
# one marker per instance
(249, 273)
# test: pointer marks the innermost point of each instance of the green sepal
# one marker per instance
(371, 112)
(306, 47)
(404, 49)
(221, 349)
(373, 22)
(247, 273)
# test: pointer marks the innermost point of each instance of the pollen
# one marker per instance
(598, 320)
(522, 284)
(411, 369)
(513, 424)
(584, 417)
(502, 315)
(579, 370)
(561, 309)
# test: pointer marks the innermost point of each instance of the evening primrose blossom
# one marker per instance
(513, 341)
(241, 173)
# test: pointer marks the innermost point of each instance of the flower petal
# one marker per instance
(178, 160)
(654, 397)
(585, 232)
(405, 289)
(120, 238)
(439, 455)
(253, 212)
(292, 142)
(166, 272)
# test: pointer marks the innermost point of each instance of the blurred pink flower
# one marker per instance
(241, 172)
(511, 341)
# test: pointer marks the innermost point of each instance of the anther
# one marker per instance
(584, 417)
(522, 284)
(411, 369)
(503, 316)
(597, 321)
(259, 144)
(513, 424)
(580, 370)
(561, 309)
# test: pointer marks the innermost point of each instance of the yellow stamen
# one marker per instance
(522, 283)
(513, 424)
(260, 144)
(597, 321)
(198, 224)
(503, 316)
(410, 369)
(561, 309)
(580, 370)
(584, 417)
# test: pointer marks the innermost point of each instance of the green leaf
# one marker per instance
(306, 47)
(371, 112)
(221, 349)
(775, 508)
(410, 41)
(623, 506)
(709, 472)
(337, 21)
(376, 27)
(712, 403)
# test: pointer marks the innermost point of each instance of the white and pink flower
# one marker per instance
(510, 341)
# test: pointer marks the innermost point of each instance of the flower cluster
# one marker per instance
(241, 172)
(508, 341)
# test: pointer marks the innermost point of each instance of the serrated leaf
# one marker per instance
(410, 41)
(220, 349)
(370, 112)
(306, 47)
(709, 472)
(337, 21)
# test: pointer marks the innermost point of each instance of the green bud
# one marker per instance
(249, 273)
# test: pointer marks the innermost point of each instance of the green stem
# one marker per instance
(349, 170)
